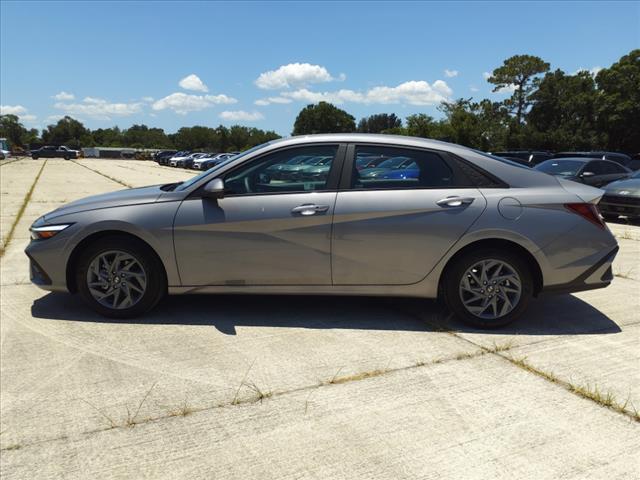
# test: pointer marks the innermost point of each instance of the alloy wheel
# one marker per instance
(116, 279)
(490, 289)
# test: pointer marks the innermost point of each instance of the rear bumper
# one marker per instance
(597, 276)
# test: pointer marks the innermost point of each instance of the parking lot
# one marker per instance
(304, 387)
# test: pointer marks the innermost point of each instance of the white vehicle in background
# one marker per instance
(198, 163)
(178, 157)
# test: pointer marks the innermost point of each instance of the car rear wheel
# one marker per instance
(35, 157)
(67, 157)
(120, 277)
(488, 288)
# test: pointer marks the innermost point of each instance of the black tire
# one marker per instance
(156, 287)
(35, 157)
(454, 276)
(67, 157)
(609, 217)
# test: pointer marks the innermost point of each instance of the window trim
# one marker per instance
(458, 174)
(332, 179)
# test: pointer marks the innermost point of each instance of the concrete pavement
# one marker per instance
(300, 387)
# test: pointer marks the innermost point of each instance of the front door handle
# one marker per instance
(455, 201)
(309, 209)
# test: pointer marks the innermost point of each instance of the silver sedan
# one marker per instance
(480, 232)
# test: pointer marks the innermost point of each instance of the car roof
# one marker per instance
(572, 159)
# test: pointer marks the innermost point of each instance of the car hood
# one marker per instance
(120, 198)
(631, 186)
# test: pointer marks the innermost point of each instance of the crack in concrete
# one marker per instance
(260, 396)
(23, 207)
(104, 175)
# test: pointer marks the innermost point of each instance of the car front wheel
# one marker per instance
(120, 277)
(488, 288)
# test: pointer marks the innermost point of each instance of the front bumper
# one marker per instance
(620, 205)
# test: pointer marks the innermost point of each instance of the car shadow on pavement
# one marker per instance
(557, 315)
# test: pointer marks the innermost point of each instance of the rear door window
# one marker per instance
(401, 168)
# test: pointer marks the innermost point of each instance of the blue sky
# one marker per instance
(173, 64)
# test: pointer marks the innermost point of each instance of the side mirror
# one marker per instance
(214, 189)
(587, 174)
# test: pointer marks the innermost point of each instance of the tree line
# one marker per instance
(547, 110)
(72, 133)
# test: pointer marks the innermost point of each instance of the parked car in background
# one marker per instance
(178, 157)
(50, 151)
(483, 234)
(369, 161)
(163, 157)
(585, 170)
(213, 162)
(203, 158)
(620, 158)
(393, 163)
(525, 157)
(622, 197)
(187, 162)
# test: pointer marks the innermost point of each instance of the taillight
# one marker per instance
(587, 211)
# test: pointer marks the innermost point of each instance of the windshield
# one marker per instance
(197, 178)
(560, 167)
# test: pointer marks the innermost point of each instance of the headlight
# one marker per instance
(47, 231)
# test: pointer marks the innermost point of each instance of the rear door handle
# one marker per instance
(455, 201)
(309, 209)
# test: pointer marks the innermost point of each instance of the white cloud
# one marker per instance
(486, 75)
(474, 88)
(99, 108)
(54, 118)
(184, 103)
(506, 89)
(450, 73)
(268, 101)
(147, 99)
(28, 118)
(12, 110)
(63, 96)
(241, 115)
(193, 82)
(593, 70)
(414, 92)
(295, 75)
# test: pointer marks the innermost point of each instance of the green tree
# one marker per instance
(618, 105)
(522, 73)
(67, 131)
(108, 137)
(141, 136)
(323, 118)
(15, 133)
(379, 123)
(563, 114)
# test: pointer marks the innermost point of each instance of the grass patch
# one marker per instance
(624, 274)
(23, 207)
(605, 399)
(626, 235)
